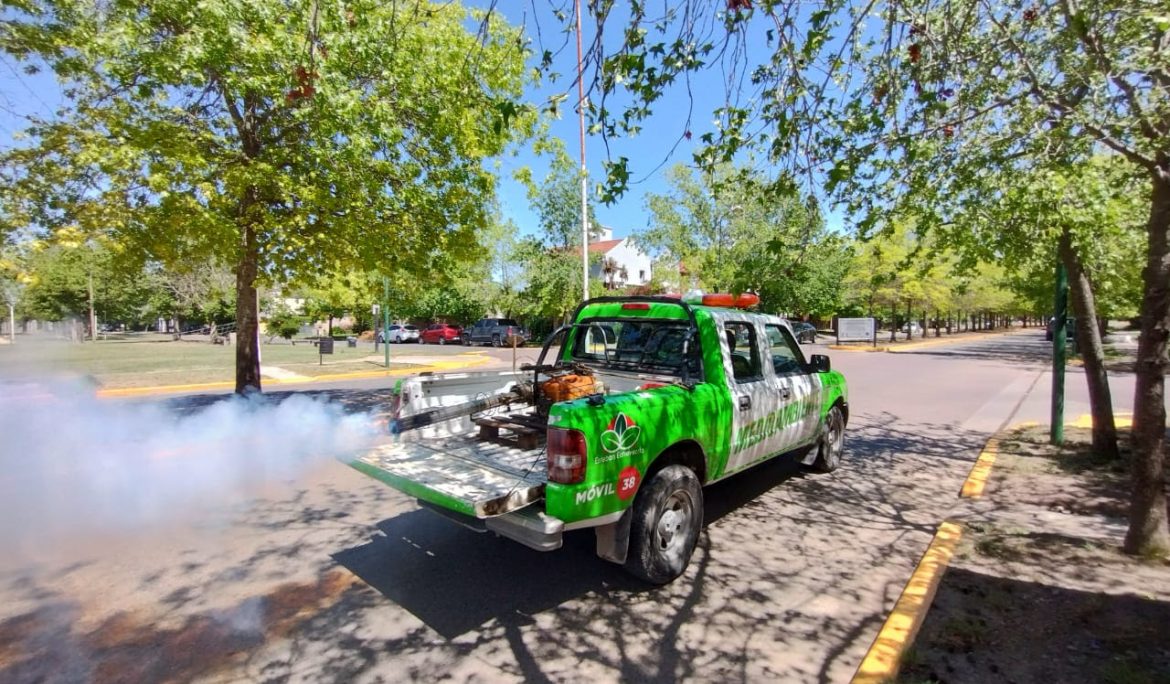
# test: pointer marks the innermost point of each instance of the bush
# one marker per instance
(284, 323)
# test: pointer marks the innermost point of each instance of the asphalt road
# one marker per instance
(329, 576)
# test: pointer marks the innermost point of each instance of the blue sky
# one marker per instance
(651, 153)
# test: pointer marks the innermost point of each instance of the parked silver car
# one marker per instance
(399, 333)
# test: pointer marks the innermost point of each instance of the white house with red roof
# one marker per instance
(622, 263)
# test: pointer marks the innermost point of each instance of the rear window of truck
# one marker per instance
(628, 344)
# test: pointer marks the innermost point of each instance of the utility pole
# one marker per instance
(584, 171)
(1059, 332)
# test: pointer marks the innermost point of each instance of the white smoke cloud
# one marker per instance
(71, 464)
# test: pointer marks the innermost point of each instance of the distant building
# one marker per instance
(622, 263)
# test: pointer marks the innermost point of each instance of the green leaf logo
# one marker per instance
(630, 437)
(622, 434)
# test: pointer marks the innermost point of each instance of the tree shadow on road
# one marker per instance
(793, 574)
(1010, 351)
(455, 579)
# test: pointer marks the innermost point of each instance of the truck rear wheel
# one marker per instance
(668, 515)
(832, 442)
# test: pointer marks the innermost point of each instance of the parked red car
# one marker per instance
(440, 333)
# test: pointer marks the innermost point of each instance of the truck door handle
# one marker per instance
(786, 392)
(745, 402)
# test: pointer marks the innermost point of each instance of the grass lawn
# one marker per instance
(157, 360)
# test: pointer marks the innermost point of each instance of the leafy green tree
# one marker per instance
(505, 284)
(552, 280)
(186, 291)
(735, 230)
(284, 322)
(922, 108)
(1085, 216)
(61, 278)
(285, 138)
(557, 203)
(337, 295)
(552, 263)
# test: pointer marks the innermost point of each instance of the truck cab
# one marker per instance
(641, 402)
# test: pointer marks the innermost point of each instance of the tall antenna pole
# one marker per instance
(584, 171)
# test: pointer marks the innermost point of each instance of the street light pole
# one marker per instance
(1059, 332)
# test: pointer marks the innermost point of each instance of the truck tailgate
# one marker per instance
(476, 478)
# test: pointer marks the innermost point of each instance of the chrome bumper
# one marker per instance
(528, 526)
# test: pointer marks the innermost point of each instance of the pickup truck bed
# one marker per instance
(476, 478)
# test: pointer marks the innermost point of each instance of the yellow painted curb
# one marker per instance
(981, 471)
(470, 361)
(845, 347)
(1120, 420)
(884, 658)
(977, 478)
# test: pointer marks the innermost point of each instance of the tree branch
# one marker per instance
(1092, 43)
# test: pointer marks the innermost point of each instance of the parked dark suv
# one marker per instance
(498, 332)
(804, 332)
(1069, 330)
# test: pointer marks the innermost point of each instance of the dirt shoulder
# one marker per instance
(1038, 590)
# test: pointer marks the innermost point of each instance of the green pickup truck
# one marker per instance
(629, 412)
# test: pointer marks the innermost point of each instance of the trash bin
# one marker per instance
(351, 342)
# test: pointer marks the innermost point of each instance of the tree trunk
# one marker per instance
(1148, 534)
(1092, 351)
(247, 343)
(894, 323)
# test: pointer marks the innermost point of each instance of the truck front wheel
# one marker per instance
(668, 515)
(832, 442)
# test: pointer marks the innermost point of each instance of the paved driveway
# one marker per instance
(330, 576)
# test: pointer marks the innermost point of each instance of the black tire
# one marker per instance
(495, 340)
(668, 516)
(442, 341)
(831, 444)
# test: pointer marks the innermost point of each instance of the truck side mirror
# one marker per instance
(820, 363)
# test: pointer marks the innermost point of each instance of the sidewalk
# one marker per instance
(1037, 404)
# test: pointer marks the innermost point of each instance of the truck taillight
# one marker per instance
(566, 456)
